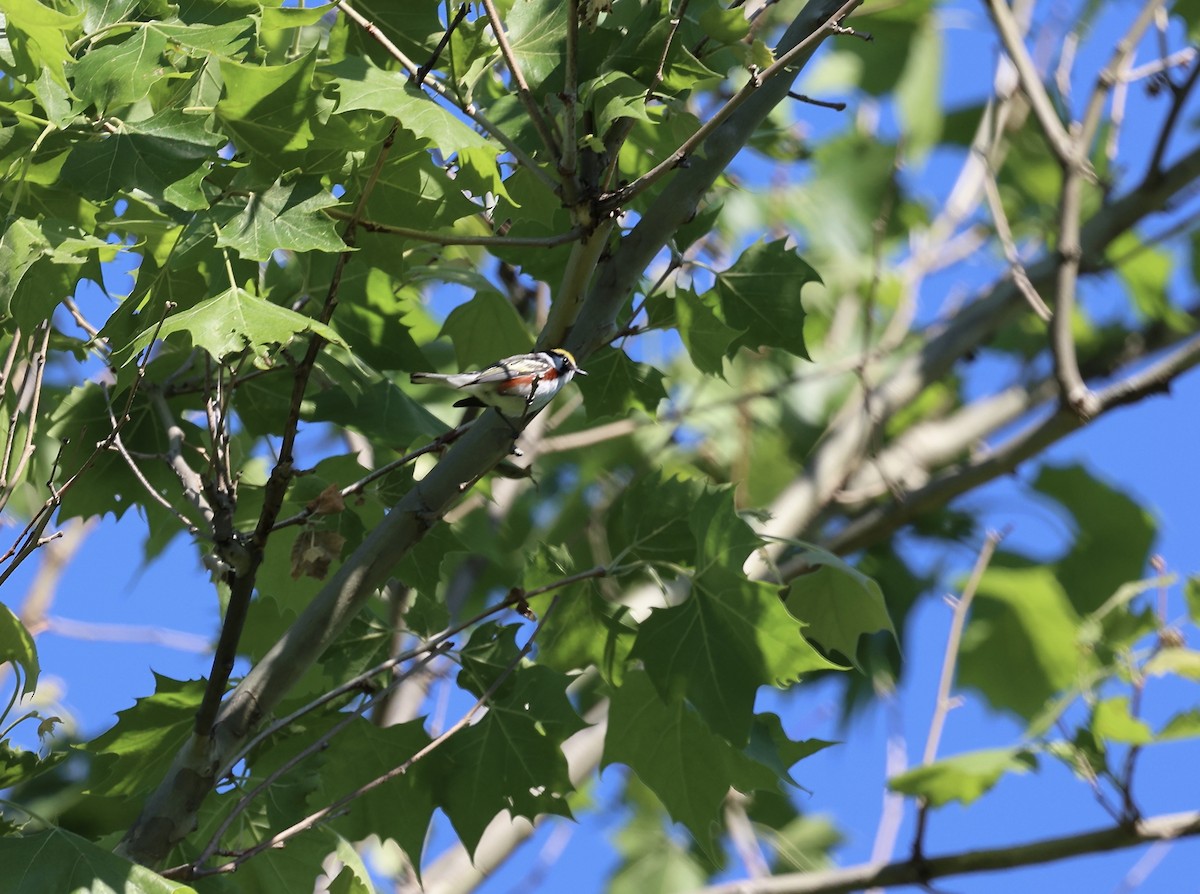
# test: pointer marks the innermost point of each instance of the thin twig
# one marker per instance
(742, 837)
(523, 92)
(1111, 74)
(820, 103)
(437, 641)
(1031, 81)
(437, 444)
(318, 744)
(568, 161)
(461, 238)
(19, 398)
(687, 147)
(79, 318)
(242, 578)
(437, 87)
(335, 808)
(33, 397)
(1015, 266)
(119, 446)
(1178, 98)
(660, 72)
(419, 76)
(944, 703)
(1154, 378)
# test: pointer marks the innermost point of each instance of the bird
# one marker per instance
(516, 386)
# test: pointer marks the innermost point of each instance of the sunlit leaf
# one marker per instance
(964, 777)
(236, 320)
(838, 604)
(1020, 645)
(17, 646)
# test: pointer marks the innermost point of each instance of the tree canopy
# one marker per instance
(828, 279)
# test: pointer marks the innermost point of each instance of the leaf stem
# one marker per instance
(462, 238)
(944, 703)
(523, 92)
(335, 808)
(437, 87)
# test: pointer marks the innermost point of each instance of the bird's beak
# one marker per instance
(580, 372)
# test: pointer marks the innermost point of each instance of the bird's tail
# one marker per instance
(420, 378)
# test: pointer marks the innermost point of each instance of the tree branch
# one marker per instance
(1011, 37)
(792, 54)
(843, 445)
(437, 87)
(718, 141)
(523, 93)
(1168, 827)
(880, 522)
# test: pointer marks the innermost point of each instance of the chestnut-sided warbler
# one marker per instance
(516, 386)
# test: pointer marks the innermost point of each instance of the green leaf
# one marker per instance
(615, 384)
(963, 778)
(704, 333)
(58, 860)
(1019, 648)
(760, 296)
(722, 536)
(354, 878)
(1191, 593)
(267, 109)
(921, 79)
(235, 320)
(1112, 722)
(1179, 661)
(167, 156)
(771, 746)
(1113, 535)
(717, 647)
(400, 808)
(612, 96)
(363, 86)
(123, 73)
(285, 217)
(17, 646)
(1184, 725)
(655, 859)
(666, 868)
(535, 690)
(512, 759)
(18, 766)
(1146, 271)
(131, 757)
(381, 322)
(39, 36)
(537, 33)
(649, 521)
(676, 755)
(421, 566)
(39, 263)
(503, 762)
(584, 631)
(485, 329)
(412, 191)
(838, 604)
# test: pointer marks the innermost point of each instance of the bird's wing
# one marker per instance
(502, 371)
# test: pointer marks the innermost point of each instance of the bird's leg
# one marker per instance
(533, 388)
